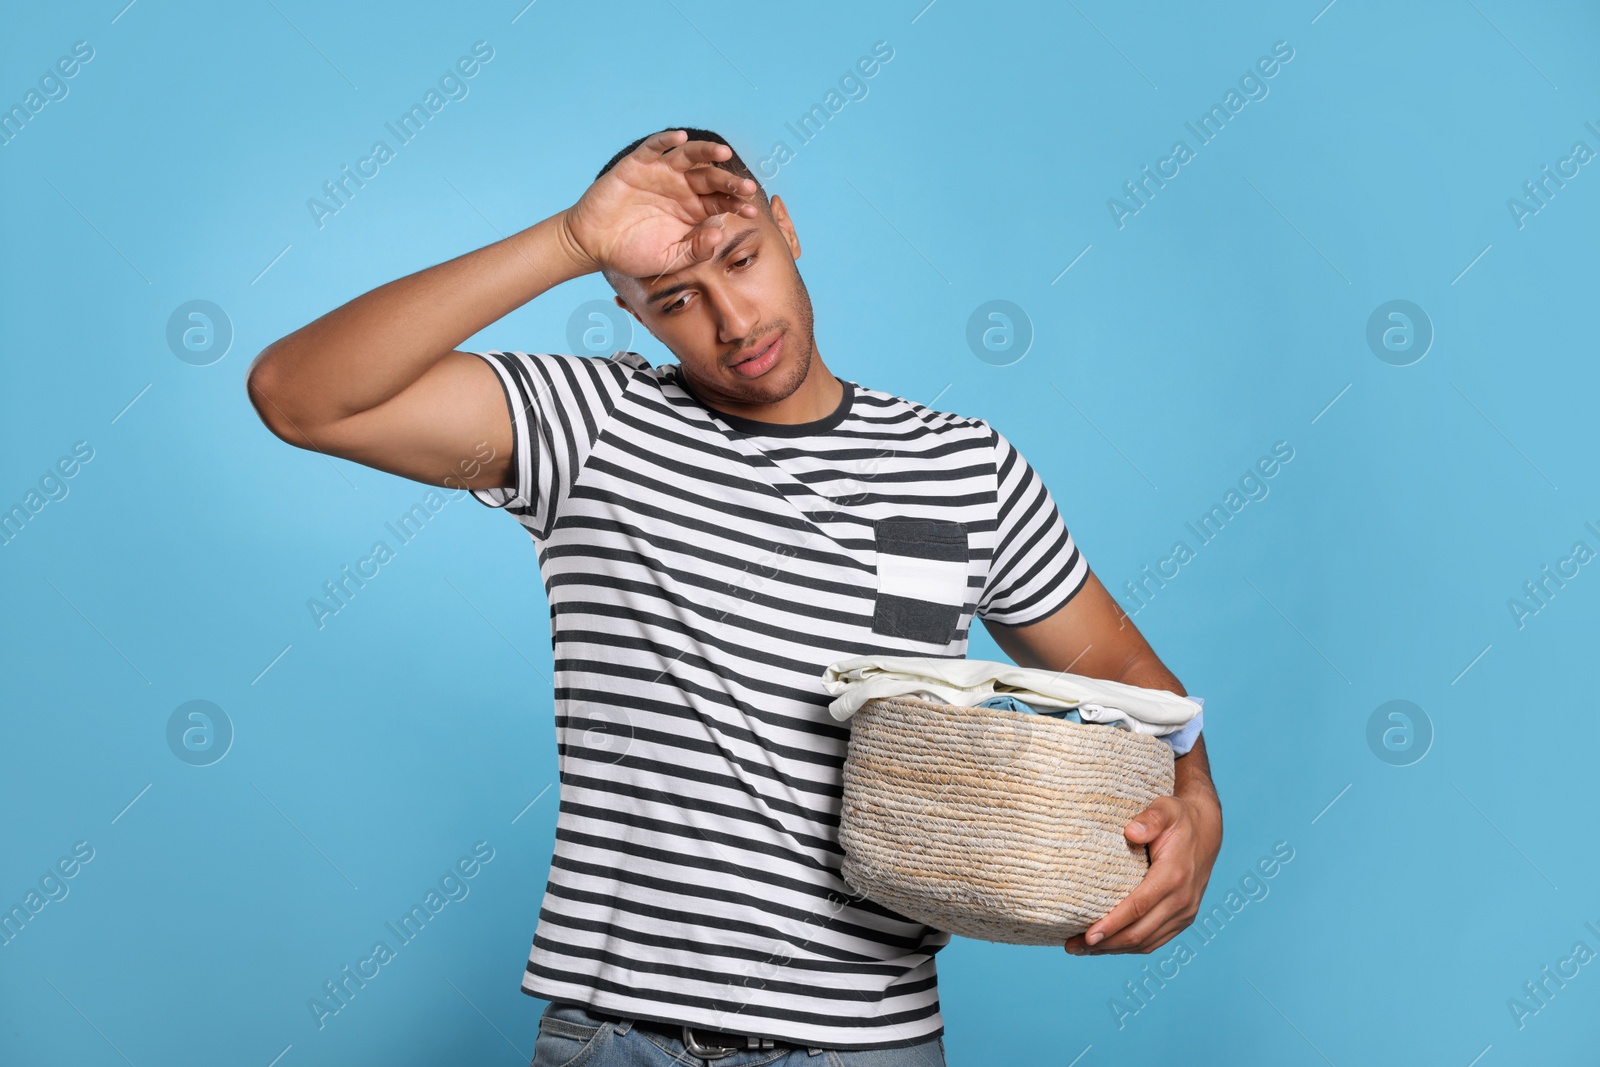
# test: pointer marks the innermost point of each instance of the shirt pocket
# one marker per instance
(922, 578)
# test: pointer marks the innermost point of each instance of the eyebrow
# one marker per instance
(722, 254)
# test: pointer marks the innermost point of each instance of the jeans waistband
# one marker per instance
(703, 1036)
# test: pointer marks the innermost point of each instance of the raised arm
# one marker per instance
(379, 380)
(1091, 635)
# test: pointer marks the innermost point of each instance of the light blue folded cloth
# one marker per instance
(1011, 703)
(1181, 741)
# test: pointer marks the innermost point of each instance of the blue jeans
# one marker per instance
(571, 1037)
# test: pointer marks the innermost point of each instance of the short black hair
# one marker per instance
(733, 165)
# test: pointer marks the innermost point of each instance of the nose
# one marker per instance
(736, 316)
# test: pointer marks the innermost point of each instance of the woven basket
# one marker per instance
(994, 824)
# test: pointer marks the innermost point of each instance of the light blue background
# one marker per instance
(1225, 316)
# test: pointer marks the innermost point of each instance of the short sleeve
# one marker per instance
(1036, 568)
(559, 405)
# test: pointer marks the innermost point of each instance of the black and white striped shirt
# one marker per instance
(702, 570)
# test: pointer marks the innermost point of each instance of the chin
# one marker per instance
(790, 375)
(778, 383)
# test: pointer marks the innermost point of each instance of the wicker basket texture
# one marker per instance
(994, 824)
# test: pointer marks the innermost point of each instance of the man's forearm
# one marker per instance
(1192, 770)
(368, 350)
(1192, 777)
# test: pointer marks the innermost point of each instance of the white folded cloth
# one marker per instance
(856, 680)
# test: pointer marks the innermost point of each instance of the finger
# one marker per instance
(696, 245)
(653, 146)
(714, 179)
(696, 154)
(1149, 938)
(1150, 932)
(1146, 826)
(728, 205)
(702, 240)
(1158, 883)
(1174, 925)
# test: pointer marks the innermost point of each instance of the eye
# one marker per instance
(746, 259)
(675, 305)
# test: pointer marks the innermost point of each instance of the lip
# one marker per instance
(757, 362)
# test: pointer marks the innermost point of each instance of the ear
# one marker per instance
(623, 304)
(780, 215)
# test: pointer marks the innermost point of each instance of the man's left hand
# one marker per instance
(1184, 836)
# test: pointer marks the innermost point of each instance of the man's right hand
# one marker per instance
(660, 209)
(378, 381)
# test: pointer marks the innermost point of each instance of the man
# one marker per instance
(711, 535)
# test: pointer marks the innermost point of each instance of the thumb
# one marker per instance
(1148, 824)
(701, 241)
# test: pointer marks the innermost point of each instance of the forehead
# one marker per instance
(658, 287)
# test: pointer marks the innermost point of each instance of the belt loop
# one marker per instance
(815, 1051)
(624, 1026)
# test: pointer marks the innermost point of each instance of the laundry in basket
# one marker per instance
(996, 824)
(1180, 742)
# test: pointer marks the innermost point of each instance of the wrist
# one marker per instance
(1205, 807)
(572, 249)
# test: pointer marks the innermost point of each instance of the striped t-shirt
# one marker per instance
(702, 570)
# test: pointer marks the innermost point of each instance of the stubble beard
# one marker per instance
(801, 343)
